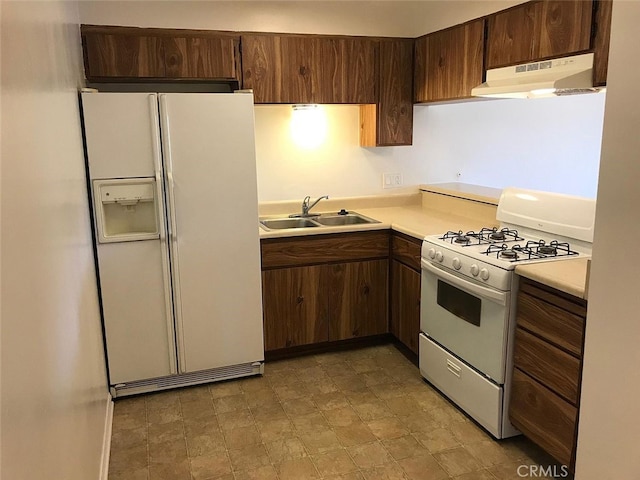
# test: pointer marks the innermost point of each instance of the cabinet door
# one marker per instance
(295, 306)
(358, 299)
(395, 107)
(124, 55)
(601, 41)
(537, 30)
(199, 57)
(359, 66)
(450, 63)
(405, 305)
(261, 67)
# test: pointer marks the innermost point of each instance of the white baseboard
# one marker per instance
(106, 440)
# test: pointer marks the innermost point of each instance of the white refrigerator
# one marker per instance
(173, 182)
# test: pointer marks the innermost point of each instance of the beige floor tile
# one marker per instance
(224, 389)
(168, 452)
(297, 469)
(170, 414)
(336, 462)
(254, 384)
(339, 369)
(165, 432)
(269, 411)
(402, 405)
(479, 475)
(197, 409)
(328, 358)
(299, 406)
(377, 377)
(194, 394)
(310, 423)
(386, 428)
(242, 436)
(457, 461)
(404, 447)
(488, 452)
(320, 442)
(288, 377)
(285, 449)
(179, 470)
(354, 434)
(237, 419)
(261, 398)
(330, 401)
(428, 398)
(200, 426)
(321, 386)
(388, 471)
(230, 403)
(447, 415)
(210, 466)
(206, 442)
(272, 430)
(341, 417)
(422, 467)
(291, 391)
(266, 472)
(468, 432)
(124, 420)
(386, 390)
(162, 400)
(369, 455)
(361, 395)
(364, 365)
(129, 458)
(124, 439)
(249, 457)
(437, 440)
(346, 476)
(373, 410)
(508, 471)
(137, 474)
(350, 383)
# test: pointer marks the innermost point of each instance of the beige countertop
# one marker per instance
(569, 276)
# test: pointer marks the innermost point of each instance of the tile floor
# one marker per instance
(360, 414)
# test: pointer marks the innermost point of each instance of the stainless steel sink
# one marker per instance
(280, 223)
(320, 220)
(335, 220)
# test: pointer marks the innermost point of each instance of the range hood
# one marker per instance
(548, 78)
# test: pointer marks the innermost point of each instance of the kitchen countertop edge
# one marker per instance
(568, 276)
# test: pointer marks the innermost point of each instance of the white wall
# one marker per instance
(54, 388)
(338, 168)
(545, 144)
(609, 428)
(376, 18)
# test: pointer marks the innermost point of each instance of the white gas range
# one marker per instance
(468, 296)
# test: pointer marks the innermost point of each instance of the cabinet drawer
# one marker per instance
(558, 326)
(543, 416)
(318, 249)
(407, 251)
(554, 368)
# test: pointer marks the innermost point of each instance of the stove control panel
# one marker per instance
(466, 266)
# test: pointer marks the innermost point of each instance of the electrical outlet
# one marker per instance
(391, 180)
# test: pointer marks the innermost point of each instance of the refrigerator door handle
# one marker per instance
(173, 231)
(166, 277)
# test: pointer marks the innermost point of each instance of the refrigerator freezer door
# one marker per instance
(133, 300)
(119, 129)
(210, 166)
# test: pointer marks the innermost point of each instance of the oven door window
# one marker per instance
(462, 304)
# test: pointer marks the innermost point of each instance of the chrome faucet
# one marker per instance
(306, 207)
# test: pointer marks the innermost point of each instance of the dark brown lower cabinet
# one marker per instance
(545, 391)
(296, 311)
(324, 288)
(405, 304)
(358, 299)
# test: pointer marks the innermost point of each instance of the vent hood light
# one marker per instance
(556, 77)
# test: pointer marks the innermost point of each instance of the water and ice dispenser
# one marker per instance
(126, 209)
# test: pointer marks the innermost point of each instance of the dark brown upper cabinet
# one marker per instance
(390, 121)
(130, 53)
(309, 68)
(538, 30)
(449, 63)
(601, 41)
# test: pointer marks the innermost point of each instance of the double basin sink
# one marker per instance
(339, 219)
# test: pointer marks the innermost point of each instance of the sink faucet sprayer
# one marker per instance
(306, 207)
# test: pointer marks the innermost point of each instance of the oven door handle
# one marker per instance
(489, 293)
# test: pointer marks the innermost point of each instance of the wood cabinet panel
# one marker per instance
(200, 57)
(552, 367)
(295, 304)
(601, 41)
(558, 326)
(316, 249)
(455, 61)
(543, 416)
(358, 299)
(395, 105)
(537, 30)
(262, 66)
(407, 250)
(122, 55)
(405, 304)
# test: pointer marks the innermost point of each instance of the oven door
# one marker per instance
(468, 319)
